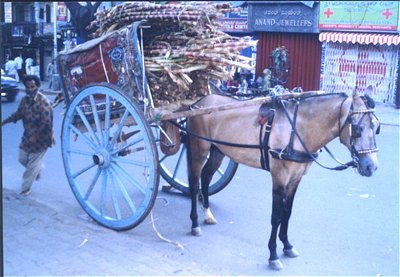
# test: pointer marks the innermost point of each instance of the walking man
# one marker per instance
(19, 61)
(11, 69)
(36, 113)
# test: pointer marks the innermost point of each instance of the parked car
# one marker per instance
(9, 87)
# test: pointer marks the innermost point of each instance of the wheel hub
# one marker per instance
(102, 159)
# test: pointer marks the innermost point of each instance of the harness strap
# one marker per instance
(265, 142)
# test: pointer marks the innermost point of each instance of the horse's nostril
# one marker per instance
(371, 168)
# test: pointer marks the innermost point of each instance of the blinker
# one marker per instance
(356, 131)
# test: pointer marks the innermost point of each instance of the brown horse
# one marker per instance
(301, 127)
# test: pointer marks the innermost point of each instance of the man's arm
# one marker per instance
(14, 117)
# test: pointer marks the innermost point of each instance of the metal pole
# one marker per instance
(55, 78)
(55, 36)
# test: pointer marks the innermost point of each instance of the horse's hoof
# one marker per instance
(196, 231)
(208, 217)
(291, 253)
(210, 221)
(275, 264)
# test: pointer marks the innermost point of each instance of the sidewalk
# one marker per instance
(41, 241)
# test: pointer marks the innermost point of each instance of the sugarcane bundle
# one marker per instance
(184, 48)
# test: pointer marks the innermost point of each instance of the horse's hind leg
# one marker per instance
(195, 158)
(209, 169)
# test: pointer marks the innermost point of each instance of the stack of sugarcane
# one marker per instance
(183, 49)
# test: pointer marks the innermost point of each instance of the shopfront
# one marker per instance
(361, 48)
(294, 26)
(236, 24)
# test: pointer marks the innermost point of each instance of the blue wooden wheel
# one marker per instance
(110, 156)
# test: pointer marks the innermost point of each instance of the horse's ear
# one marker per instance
(370, 90)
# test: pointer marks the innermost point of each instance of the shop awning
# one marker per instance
(360, 38)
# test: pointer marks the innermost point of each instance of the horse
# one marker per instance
(299, 128)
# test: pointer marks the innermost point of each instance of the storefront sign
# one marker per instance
(7, 12)
(283, 17)
(359, 15)
(61, 11)
(234, 21)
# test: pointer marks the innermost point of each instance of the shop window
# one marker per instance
(48, 13)
(348, 66)
(41, 13)
(17, 31)
(19, 13)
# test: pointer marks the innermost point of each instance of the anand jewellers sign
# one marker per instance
(283, 17)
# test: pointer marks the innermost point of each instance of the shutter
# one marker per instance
(347, 66)
(304, 57)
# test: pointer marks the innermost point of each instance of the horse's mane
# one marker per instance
(322, 95)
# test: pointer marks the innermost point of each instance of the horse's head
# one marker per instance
(358, 134)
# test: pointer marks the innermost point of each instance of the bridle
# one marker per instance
(356, 128)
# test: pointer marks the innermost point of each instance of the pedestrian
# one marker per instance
(49, 73)
(19, 61)
(267, 79)
(36, 113)
(28, 66)
(11, 69)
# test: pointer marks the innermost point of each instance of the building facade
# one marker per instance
(293, 28)
(27, 30)
(361, 47)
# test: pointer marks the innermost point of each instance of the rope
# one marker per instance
(176, 243)
(102, 62)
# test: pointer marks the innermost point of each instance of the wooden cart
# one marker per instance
(111, 131)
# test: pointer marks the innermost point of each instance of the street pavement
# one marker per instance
(41, 239)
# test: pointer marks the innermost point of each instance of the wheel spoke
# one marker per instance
(122, 171)
(96, 116)
(107, 121)
(80, 134)
(93, 183)
(87, 124)
(122, 187)
(115, 151)
(83, 170)
(80, 152)
(120, 125)
(114, 196)
(103, 191)
(132, 162)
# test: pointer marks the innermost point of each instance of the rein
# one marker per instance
(227, 143)
(342, 165)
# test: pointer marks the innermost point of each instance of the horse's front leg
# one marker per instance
(288, 249)
(276, 219)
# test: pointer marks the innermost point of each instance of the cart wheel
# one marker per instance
(110, 157)
(174, 169)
